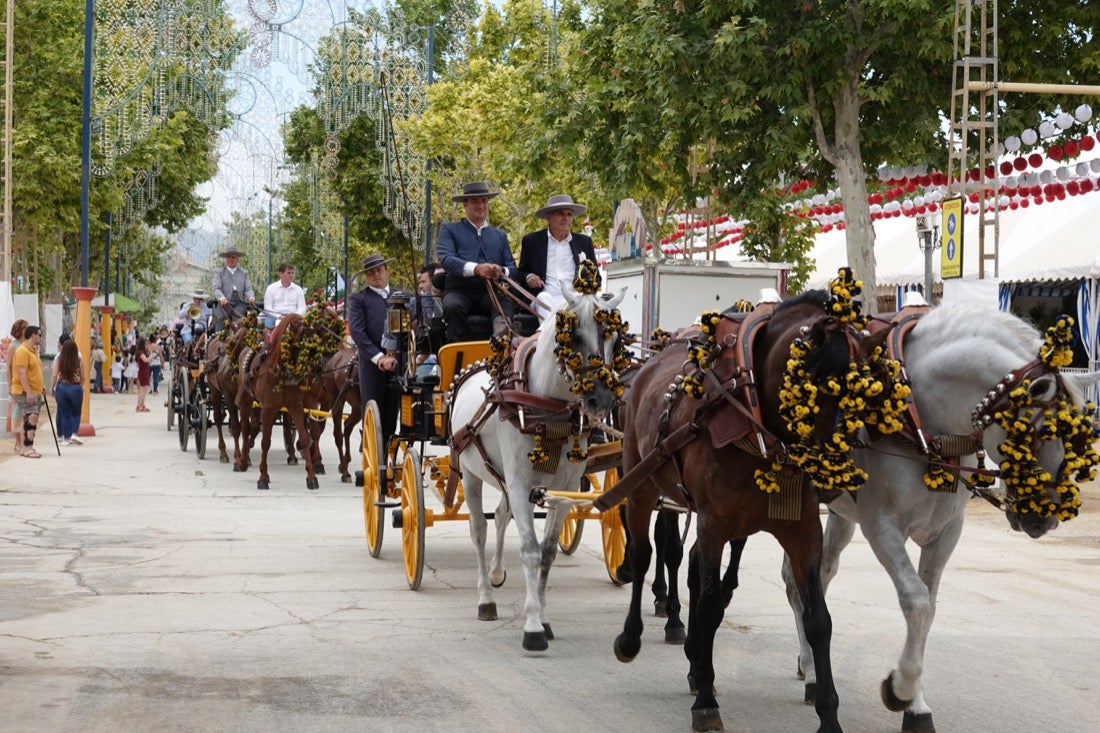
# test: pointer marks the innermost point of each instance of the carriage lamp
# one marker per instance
(398, 314)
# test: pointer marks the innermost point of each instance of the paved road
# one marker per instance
(144, 590)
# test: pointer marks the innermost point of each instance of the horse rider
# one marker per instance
(473, 253)
(549, 257)
(232, 288)
(367, 325)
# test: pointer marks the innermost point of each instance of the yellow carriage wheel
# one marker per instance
(614, 534)
(412, 518)
(569, 539)
(373, 484)
(171, 403)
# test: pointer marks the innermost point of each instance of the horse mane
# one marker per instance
(277, 334)
(830, 355)
(955, 322)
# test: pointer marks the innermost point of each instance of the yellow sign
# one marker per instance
(951, 237)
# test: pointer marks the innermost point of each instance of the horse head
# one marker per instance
(1032, 421)
(587, 347)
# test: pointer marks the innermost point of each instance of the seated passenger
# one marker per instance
(473, 253)
(548, 258)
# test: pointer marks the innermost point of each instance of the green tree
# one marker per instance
(778, 90)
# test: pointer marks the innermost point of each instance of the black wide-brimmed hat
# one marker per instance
(231, 250)
(559, 202)
(475, 190)
(375, 260)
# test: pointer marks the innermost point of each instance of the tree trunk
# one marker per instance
(859, 232)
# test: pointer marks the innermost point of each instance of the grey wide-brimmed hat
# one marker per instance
(559, 202)
(231, 250)
(198, 294)
(474, 190)
(375, 260)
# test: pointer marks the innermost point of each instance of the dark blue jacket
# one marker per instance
(459, 243)
(367, 322)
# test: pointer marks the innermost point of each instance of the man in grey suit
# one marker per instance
(473, 253)
(232, 288)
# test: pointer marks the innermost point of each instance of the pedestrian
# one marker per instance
(99, 358)
(141, 368)
(473, 253)
(367, 325)
(283, 297)
(16, 414)
(549, 257)
(28, 389)
(232, 288)
(116, 374)
(156, 362)
(129, 370)
(67, 388)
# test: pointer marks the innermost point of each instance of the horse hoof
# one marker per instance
(660, 609)
(889, 699)
(487, 612)
(706, 719)
(345, 479)
(237, 469)
(549, 633)
(292, 461)
(811, 693)
(312, 484)
(535, 641)
(223, 459)
(493, 579)
(263, 485)
(623, 574)
(627, 648)
(675, 634)
(800, 674)
(917, 723)
(319, 469)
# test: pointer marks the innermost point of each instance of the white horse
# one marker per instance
(565, 401)
(955, 356)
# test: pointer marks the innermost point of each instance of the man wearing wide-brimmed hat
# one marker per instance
(184, 320)
(473, 253)
(367, 325)
(548, 258)
(232, 288)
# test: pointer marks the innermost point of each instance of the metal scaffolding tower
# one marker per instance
(974, 116)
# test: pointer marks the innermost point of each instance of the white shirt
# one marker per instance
(284, 301)
(559, 270)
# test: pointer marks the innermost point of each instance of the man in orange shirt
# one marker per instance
(28, 388)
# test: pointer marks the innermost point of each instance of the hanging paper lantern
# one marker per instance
(1006, 167)
(1062, 174)
(1054, 152)
(1035, 160)
(1029, 137)
(1083, 113)
(1046, 128)
(1020, 164)
(1046, 177)
(1064, 121)
(1012, 143)
(1094, 165)
(1088, 143)
(1073, 188)
(1071, 148)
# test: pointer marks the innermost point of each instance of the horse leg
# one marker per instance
(555, 519)
(342, 451)
(729, 580)
(705, 615)
(803, 542)
(288, 439)
(472, 487)
(629, 642)
(316, 429)
(307, 445)
(267, 422)
(535, 638)
(665, 523)
(219, 418)
(670, 553)
(501, 518)
(903, 688)
(838, 533)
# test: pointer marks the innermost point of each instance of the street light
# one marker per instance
(928, 239)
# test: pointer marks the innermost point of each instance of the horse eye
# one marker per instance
(1043, 388)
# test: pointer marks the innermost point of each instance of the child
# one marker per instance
(129, 374)
(116, 374)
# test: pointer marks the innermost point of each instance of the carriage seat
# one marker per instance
(455, 357)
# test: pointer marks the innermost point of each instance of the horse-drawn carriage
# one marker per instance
(188, 405)
(396, 472)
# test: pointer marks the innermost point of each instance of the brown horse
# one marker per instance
(222, 355)
(282, 382)
(719, 484)
(339, 385)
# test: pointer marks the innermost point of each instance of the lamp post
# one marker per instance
(928, 239)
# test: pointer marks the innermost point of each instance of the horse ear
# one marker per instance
(570, 294)
(876, 339)
(614, 300)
